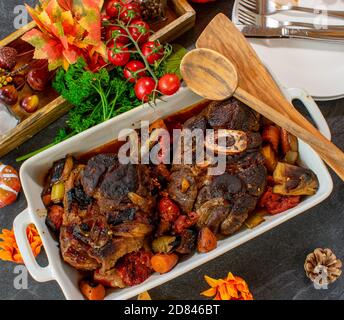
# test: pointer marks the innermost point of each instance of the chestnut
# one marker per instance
(38, 78)
(9, 95)
(8, 58)
(30, 103)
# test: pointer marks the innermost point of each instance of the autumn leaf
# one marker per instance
(67, 30)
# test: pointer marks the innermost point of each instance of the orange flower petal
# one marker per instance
(5, 255)
(225, 295)
(230, 276)
(231, 288)
(218, 297)
(209, 293)
(9, 249)
(242, 288)
(232, 291)
(212, 282)
(247, 296)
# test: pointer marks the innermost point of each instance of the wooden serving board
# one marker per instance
(180, 17)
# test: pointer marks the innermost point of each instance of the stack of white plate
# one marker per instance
(316, 66)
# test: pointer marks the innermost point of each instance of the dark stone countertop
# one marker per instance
(272, 263)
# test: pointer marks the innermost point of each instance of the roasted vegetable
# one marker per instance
(158, 124)
(92, 290)
(293, 180)
(61, 170)
(187, 242)
(270, 157)
(271, 135)
(163, 227)
(288, 141)
(185, 221)
(206, 240)
(169, 211)
(57, 192)
(291, 157)
(110, 278)
(276, 203)
(254, 220)
(289, 146)
(165, 244)
(135, 267)
(46, 198)
(54, 217)
(162, 262)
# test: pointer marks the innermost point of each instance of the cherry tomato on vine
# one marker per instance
(116, 33)
(113, 7)
(169, 84)
(130, 12)
(144, 88)
(131, 69)
(139, 30)
(104, 17)
(153, 51)
(118, 54)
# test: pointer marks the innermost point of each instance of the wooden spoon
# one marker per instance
(222, 36)
(212, 76)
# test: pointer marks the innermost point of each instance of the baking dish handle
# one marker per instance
(37, 272)
(313, 109)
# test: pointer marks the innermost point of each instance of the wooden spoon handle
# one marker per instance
(222, 36)
(330, 153)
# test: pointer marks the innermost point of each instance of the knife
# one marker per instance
(252, 31)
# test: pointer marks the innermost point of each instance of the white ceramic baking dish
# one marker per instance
(33, 171)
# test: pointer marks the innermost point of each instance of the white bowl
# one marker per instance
(33, 170)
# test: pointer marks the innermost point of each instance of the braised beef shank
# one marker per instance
(223, 202)
(100, 223)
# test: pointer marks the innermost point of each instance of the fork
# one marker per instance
(268, 7)
(246, 16)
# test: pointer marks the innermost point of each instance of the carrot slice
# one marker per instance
(92, 291)
(271, 134)
(207, 240)
(162, 262)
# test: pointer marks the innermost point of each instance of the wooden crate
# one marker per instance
(180, 17)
